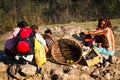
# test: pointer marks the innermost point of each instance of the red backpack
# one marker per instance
(25, 42)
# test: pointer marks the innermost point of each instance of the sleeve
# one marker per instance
(15, 32)
(40, 39)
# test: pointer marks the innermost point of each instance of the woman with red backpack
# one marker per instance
(24, 44)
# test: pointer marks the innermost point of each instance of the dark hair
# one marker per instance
(23, 24)
(33, 27)
(108, 23)
(48, 31)
(19, 24)
(99, 21)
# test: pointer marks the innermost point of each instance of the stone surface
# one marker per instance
(113, 59)
(28, 69)
(107, 76)
(3, 76)
(96, 73)
(3, 67)
(85, 77)
(106, 64)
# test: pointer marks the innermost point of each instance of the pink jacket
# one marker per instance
(10, 41)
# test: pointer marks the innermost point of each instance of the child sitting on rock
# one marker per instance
(39, 37)
(49, 40)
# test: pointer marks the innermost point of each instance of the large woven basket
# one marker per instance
(66, 49)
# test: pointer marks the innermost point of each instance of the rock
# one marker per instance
(63, 76)
(74, 66)
(49, 69)
(73, 74)
(75, 71)
(85, 77)
(3, 76)
(46, 77)
(116, 75)
(73, 77)
(54, 77)
(13, 71)
(3, 67)
(85, 68)
(66, 70)
(35, 77)
(46, 67)
(107, 76)
(95, 73)
(117, 28)
(28, 69)
(70, 31)
(73, 23)
(118, 61)
(113, 59)
(52, 71)
(106, 64)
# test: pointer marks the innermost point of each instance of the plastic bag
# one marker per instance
(40, 55)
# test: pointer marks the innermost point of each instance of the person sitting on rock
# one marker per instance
(24, 44)
(49, 40)
(108, 42)
(39, 37)
(9, 48)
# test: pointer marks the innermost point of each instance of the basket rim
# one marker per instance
(56, 60)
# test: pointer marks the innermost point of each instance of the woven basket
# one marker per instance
(66, 49)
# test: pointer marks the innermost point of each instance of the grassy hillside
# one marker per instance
(86, 25)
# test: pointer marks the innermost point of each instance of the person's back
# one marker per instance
(110, 35)
(111, 40)
(9, 48)
(39, 37)
(24, 44)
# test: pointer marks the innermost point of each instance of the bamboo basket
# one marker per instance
(66, 49)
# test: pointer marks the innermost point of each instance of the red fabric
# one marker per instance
(25, 32)
(89, 40)
(23, 46)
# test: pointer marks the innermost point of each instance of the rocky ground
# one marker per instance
(54, 71)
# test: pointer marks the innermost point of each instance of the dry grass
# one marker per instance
(2, 42)
(3, 39)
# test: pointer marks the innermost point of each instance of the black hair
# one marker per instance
(48, 31)
(100, 20)
(24, 24)
(108, 23)
(19, 24)
(33, 27)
